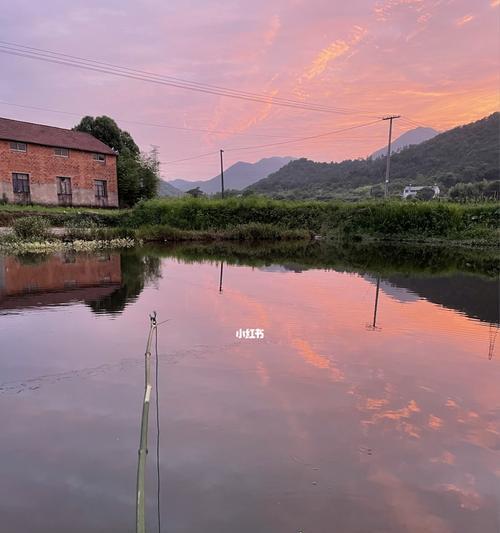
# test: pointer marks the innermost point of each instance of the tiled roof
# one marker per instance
(27, 132)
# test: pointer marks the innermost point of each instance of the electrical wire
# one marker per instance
(109, 68)
(140, 123)
(310, 137)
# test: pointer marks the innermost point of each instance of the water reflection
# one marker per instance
(36, 281)
(106, 282)
(322, 426)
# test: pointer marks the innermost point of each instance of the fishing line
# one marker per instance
(157, 429)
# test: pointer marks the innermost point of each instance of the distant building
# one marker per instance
(47, 165)
(411, 191)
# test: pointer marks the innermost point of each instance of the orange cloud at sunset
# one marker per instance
(464, 20)
(431, 61)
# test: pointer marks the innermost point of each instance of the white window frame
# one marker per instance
(100, 158)
(17, 149)
(66, 155)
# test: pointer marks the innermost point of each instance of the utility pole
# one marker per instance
(388, 167)
(222, 173)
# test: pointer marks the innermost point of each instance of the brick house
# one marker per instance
(46, 165)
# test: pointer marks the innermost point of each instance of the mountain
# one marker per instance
(408, 138)
(236, 177)
(166, 189)
(466, 154)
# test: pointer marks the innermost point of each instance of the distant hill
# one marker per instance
(408, 138)
(461, 155)
(166, 189)
(236, 177)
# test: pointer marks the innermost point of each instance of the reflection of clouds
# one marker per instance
(407, 508)
(469, 499)
(315, 359)
(263, 373)
(445, 458)
(435, 422)
(401, 417)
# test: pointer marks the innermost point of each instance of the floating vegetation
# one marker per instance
(46, 247)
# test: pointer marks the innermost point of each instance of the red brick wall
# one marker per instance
(56, 274)
(44, 167)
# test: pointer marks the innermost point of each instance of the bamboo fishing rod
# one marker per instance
(143, 445)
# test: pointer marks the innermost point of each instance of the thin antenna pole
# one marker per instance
(143, 445)
(222, 172)
(388, 167)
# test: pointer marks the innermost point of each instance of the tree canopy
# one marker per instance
(466, 154)
(138, 174)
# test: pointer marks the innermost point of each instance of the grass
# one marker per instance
(57, 215)
(242, 232)
(258, 218)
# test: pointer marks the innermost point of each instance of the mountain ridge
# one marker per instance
(465, 154)
(408, 138)
(236, 177)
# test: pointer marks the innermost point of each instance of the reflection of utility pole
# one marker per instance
(221, 273)
(388, 166)
(143, 446)
(373, 326)
(222, 173)
(493, 337)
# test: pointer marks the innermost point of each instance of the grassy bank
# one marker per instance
(59, 216)
(257, 218)
(392, 220)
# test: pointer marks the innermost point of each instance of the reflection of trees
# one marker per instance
(137, 271)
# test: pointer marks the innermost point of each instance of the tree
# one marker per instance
(138, 174)
(196, 192)
(427, 193)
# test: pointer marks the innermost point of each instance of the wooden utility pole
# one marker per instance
(222, 173)
(388, 167)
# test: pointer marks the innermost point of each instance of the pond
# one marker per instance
(368, 401)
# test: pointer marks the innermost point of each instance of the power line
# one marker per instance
(140, 123)
(188, 158)
(39, 51)
(108, 68)
(310, 137)
(412, 122)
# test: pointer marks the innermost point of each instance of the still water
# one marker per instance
(372, 404)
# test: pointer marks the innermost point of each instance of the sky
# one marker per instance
(434, 62)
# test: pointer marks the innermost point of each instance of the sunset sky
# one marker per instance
(433, 61)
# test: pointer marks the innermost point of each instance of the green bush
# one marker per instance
(386, 219)
(80, 228)
(33, 228)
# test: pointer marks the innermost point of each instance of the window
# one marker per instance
(18, 147)
(63, 185)
(64, 191)
(101, 158)
(61, 152)
(101, 189)
(20, 183)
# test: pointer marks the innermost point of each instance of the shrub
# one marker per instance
(31, 228)
(80, 228)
